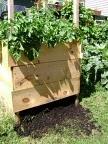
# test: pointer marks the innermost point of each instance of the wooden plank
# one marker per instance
(4, 56)
(10, 9)
(6, 88)
(38, 95)
(45, 4)
(76, 12)
(31, 75)
(59, 52)
(6, 85)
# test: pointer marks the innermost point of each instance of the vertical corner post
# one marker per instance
(76, 12)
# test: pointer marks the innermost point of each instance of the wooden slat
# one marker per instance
(4, 56)
(10, 9)
(31, 97)
(6, 88)
(31, 75)
(59, 52)
(76, 12)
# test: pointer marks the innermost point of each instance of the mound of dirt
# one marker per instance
(40, 120)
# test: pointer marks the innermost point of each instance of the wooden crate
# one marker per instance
(54, 75)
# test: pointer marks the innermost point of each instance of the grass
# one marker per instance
(97, 102)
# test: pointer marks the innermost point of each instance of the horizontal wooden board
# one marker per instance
(31, 75)
(38, 95)
(59, 52)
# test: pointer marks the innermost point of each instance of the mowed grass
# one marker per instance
(97, 102)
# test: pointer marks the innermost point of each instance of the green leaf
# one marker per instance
(104, 75)
(21, 47)
(32, 54)
(104, 81)
(16, 55)
(106, 86)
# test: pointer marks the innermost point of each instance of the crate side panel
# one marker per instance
(35, 96)
(59, 52)
(31, 75)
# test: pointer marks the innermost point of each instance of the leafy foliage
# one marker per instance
(101, 33)
(67, 11)
(95, 64)
(87, 26)
(88, 30)
(42, 26)
(6, 121)
(29, 32)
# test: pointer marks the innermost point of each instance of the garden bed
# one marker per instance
(41, 59)
(55, 118)
(54, 75)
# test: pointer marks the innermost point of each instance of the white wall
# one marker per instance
(99, 5)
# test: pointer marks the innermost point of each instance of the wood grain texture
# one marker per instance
(52, 76)
(76, 12)
(6, 88)
(6, 84)
(59, 52)
(10, 9)
(38, 95)
(31, 75)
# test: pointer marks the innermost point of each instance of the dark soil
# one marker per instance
(39, 121)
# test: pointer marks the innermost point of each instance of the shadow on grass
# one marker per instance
(86, 89)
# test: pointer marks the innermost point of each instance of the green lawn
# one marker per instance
(97, 102)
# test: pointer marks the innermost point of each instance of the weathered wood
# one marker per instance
(76, 12)
(38, 95)
(17, 119)
(59, 52)
(31, 75)
(52, 76)
(6, 84)
(6, 88)
(77, 100)
(10, 9)
(5, 55)
(45, 4)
